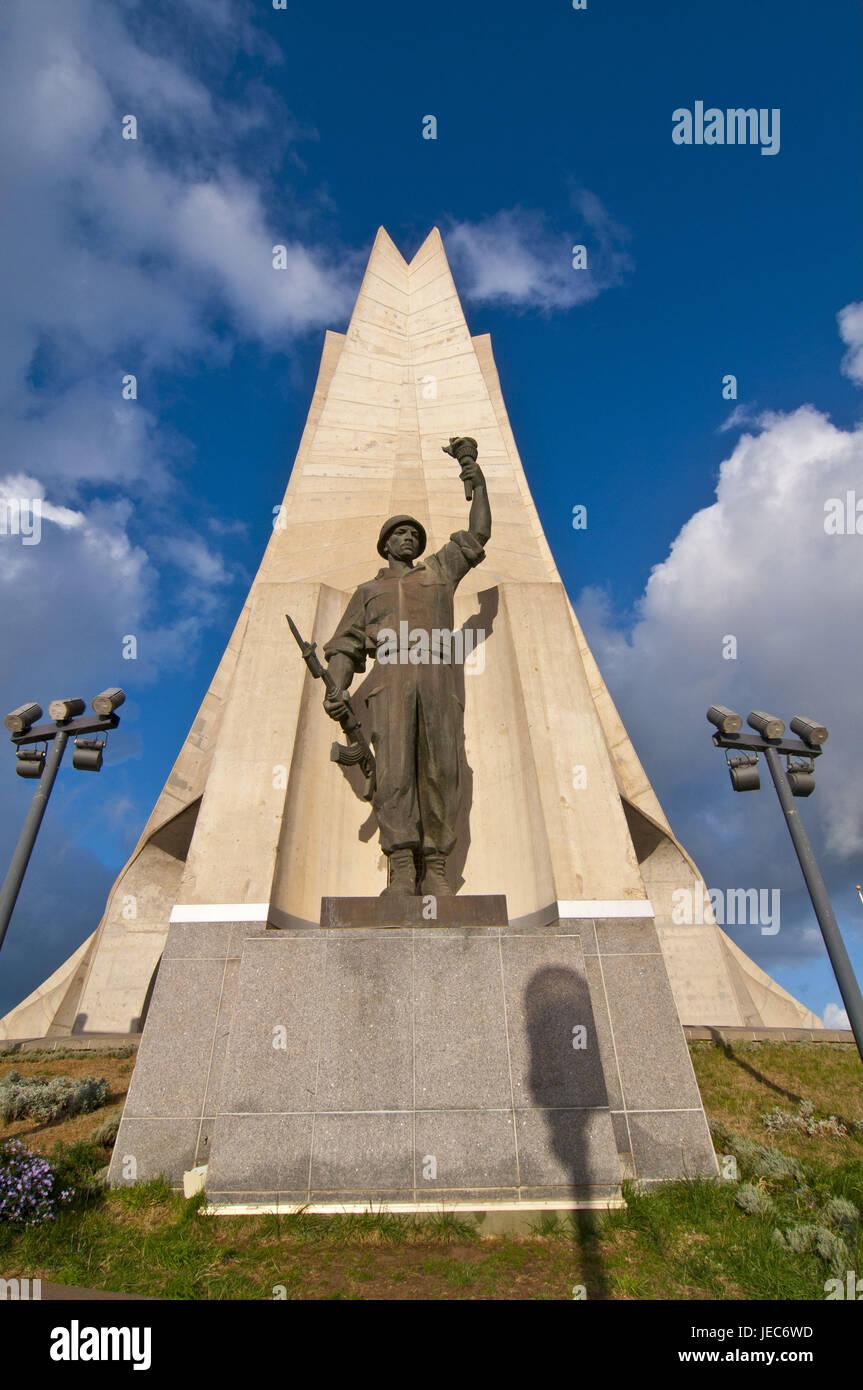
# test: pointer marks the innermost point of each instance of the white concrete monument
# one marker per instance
(247, 878)
(227, 836)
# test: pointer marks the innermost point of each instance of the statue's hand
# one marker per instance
(336, 705)
(472, 473)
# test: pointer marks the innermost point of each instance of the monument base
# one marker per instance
(459, 1064)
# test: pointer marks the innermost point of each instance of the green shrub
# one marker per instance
(804, 1122)
(49, 1098)
(801, 1239)
(752, 1200)
(106, 1134)
(833, 1249)
(770, 1163)
(63, 1054)
(845, 1215)
(804, 1240)
(765, 1162)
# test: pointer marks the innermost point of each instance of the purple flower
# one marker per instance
(27, 1183)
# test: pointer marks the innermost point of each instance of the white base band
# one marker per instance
(220, 912)
(408, 1208)
(567, 909)
(612, 907)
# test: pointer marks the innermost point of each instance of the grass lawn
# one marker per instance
(687, 1240)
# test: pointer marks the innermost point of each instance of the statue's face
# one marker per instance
(403, 543)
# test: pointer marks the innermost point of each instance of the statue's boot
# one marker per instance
(402, 874)
(434, 881)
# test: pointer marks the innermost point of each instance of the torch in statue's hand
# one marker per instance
(464, 450)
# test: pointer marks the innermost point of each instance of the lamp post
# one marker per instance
(69, 720)
(798, 780)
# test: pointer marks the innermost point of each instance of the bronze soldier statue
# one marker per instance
(414, 713)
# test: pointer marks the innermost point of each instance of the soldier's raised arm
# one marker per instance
(479, 521)
(464, 449)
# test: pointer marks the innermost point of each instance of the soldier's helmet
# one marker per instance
(389, 526)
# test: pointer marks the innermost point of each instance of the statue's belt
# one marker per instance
(404, 653)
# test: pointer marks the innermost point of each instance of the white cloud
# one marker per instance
(19, 487)
(835, 1017)
(119, 256)
(756, 566)
(851, 331)
(113, 238)
(194, 555)
(87, 434)
(203, 570)
(515, 259)
(742, 414)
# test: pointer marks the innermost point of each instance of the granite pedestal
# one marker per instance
(413, 1062)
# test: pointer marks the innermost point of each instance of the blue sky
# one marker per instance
(303, 126)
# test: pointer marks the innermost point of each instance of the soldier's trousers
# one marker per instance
(415, 725)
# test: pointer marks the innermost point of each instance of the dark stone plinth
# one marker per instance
(454, 1058)
(488, 910)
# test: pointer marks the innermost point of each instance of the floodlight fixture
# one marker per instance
(39, 750)
(61, 711)
(87, 755)
(744, 773)
(19, 721)
(30, 762)
(811, 732)
(108, 700)
(796, 778)
(726, 721)
(767, 725)
(801, 777)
